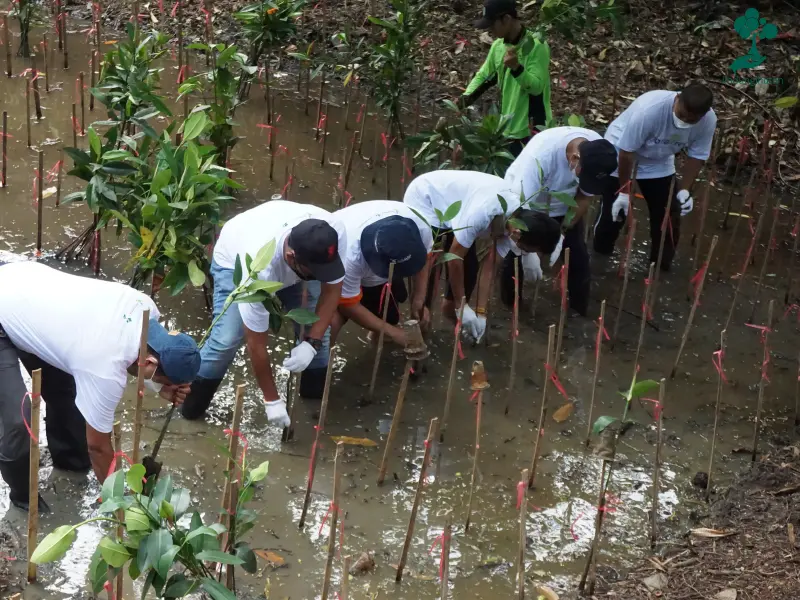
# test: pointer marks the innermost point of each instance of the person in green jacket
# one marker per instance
(519, 64)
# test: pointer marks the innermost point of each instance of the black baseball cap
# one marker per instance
(316, 247)
(598, 162)
(394, 239)
(493, 10)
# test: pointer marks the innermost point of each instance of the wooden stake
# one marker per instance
(39, 203)
(379, 351)
(3, 182)
(763, 381)
(374, 163)
(625, 277)
(37, 98)
(648, 293)
(512, 375)
(83, 102)
(733, 238)
(444, 564)
(323, 410)
(137, 415)
(398, 410)
(702, 273)
(720, 381)
(388, 160)
(792, 261)
(345, 592)
(743, 274)
(739, 163)
(701, 227)
(522, 501)
(59, 25)
(551, 334)
(293, 397)
(233, 450)
(136, 24)
(319, 104)
(598, 347)
(74, 126)
(417, 497)
(657, 466)
(33, 473)
(363, 124)
(474, 476)
(453, 362)
(665, 229)
(46, 52)
(93, 80)
(120, 513)
(308, 85)
(762, 274)
(64, 37)
(349, 167)
(563, 317)
(7, 42)
(591, 560)
(324, 135)
(273, 133)
(334, 520)
(28, 110)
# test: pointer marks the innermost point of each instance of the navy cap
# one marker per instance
(493, 10)
(316, 247)
(394, 239)
(598, 161)
(178, 354)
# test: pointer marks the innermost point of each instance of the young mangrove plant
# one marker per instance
(27, 14)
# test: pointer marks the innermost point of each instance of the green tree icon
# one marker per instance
(751, 27)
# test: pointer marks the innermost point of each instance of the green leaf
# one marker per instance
(263, 257)
(113, 486)
(517, 223)
(54, 545)
(94, 143)
(178, 586)
(73, 197)
(196, 274)
(137, 520)
(640, 388)
(201, 531)
(163, 490)
(237, 271)
(98, 572)
(181, 499)
(216, 590)
(166, 510)
(194, 126)
(260, 472)
(79, 157)
(447, 257)
(249, 563)
(266, 286)
(574, 121)
(114, 553)
(786, 102)
(565, 198)
(503, 203)
(158, 544)
(164, 563)
(302, 316)
(452, 211)
(134, 478)
(602, 423)
(218, 556)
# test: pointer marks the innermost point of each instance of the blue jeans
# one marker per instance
(228, 333)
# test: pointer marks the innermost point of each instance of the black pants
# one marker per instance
(656, 193)
(65, 425)
(578, 279)
(471, 268)
(515, 147)
(371, 300)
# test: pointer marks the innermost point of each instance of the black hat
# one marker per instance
(493, 10)
(394, 239)
(598, 162)
(316, 247)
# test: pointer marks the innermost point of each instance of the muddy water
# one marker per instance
(561, 508)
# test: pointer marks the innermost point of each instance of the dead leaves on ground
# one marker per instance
(352, 441)
(707, 532)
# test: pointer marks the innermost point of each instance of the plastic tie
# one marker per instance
(556, 381)
(440, 541)
(792, 307)
(174, 9)
(716, 360)
(22, 412)
(698, 277)
(520, 493)
(361, 113)
(601, 331)
(387, 145)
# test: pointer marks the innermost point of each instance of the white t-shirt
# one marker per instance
(548, 150)
(248, 232)
(646, 128)
(85, 327)
(477, 193)
(355, 218)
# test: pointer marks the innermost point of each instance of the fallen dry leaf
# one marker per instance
(563, 413)
(655, 582)
(47, 192)
(602, 55)
(711, 533)
(275, 560)
(353, 441)
(790, 531)
(364, 564)
(545, 593)
(729, 594)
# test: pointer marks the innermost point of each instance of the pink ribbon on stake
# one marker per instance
(763, 329)
(601, 331)
(439, 541)
(361, 113)
(792, 307)
(387, 145)
(520, 493)
(716, 360)
(695, 280)
(556, 381)
(30, 395)
(174, 9)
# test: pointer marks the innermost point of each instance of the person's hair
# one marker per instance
(542, 233)
(697, 99)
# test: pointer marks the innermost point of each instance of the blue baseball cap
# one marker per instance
(178, 353)
(394, 239)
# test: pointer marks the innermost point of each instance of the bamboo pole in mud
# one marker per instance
(767, 251)
(720, 381)
(648, 292)
(5, 150)
(64, 36)
(398, 410)
(39, 203)
(591, 560)
(363, 124)
(324, 135)
(290, 181)
(551, 334)
(733, 237)
(712, 178)
(7, 43)
(385, 312)
(319, 103)
(657, 463)
(479, 383)
(491, 293)
(334, 520)
(349, 167)
(137, 415)
(45, 53)
(347, 103)
(387, 158)
(563, 316)
(444, 561)
(33, 472)
(418, 102)
(323, 410)
(739, 162)
(417, 497)
(698, 244)
(28, 110)
(598, 347)
(233, 449)
(522, 501)
(512, 374)
(666, 227)
(453, 362)
(625, 278)
(374, 162)
(37, 97)
(700, 280)
(294, 379)
(273, 133)
(763, 381)
(93, 80)
(307, 86)
(83, 102)
(120, 588)
(792, 260)
(345, 588)
(74, 125)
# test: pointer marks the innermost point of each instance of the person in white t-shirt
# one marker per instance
(650, 132)
(84, 335)
(486, 208)
(309, 247)
(381, 232)
(568, 162)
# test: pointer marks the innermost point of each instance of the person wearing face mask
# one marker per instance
(84, 335)
(519, 64)
(562, 160)
(309, 251)
(482, 215)
(650, 132)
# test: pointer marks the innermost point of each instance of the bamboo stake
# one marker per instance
(120, 513)
(648, 292)
(290, 182)
(39, 203)
(763, 381)
(387, 160)
(3, 182)
(33, 473)
(739, 162)
(347, 103)
(59, 25)
(444, 562)
(698, 236)
(7, 42)
(720, 381)
(702, 273)
(512, 375)
(591, 560)
(319, 104)
(349, 168)
(334, 520)
(28, 111)
(736, 223)
(308, 85)
(233, 450)
(324, 136)
(657, 467)
(294, 379)
(551, 333)
(743, 274)
(374, 163)
(762, 274)
(417, 497)
(93, 80)
(46, 52)
(665, 229)
(37, 98)
(83, 102)
(522, 501)
(398, 409)
(323, 410)
(363, 124)
(379, 351)
(64, 37)
(598, 346)
(273, 133)
(137, 415)
(563, 316)
(453, 362)
(627, 269)
(345, 592)
(792, 261)
(479, 383)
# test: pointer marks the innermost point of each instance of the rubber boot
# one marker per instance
(199, 398)
(312, 383)
(16, 474)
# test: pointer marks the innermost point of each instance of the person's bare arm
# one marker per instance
(101, 452)
(259, 358)
(455, 270)
(583, 206)
(326, 307)
(626, 160)
(691, 168)
(358, 313)
(488, 267)
(418, 309)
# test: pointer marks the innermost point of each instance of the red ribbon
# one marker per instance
(322, 121)
(716, 360)
(520, 493)
(698, 277)
(348, 198)
(208, 17)
(361, 113)
(556, 381)
(742, 149)
(601, 331)
(53, 173)
(174, 8)
(387, 287)
(796, 227)
(763, 329)
(330, 510)
(657, 407)
(458, 340)
(182, 74)
(440, 541)
(792, 307)
(286, 187)
(113, 466)
(406, 169)
(432, 71)
(22, 411)
(610, 506)
(387, 145)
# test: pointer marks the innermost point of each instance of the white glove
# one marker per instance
(480, 328)
(469, 322)
(557, 252)
(621, 204)
(300, 358)
(276, 413)
(687, 203)
(531, 266)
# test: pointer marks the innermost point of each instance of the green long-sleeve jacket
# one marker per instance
(525, 91)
